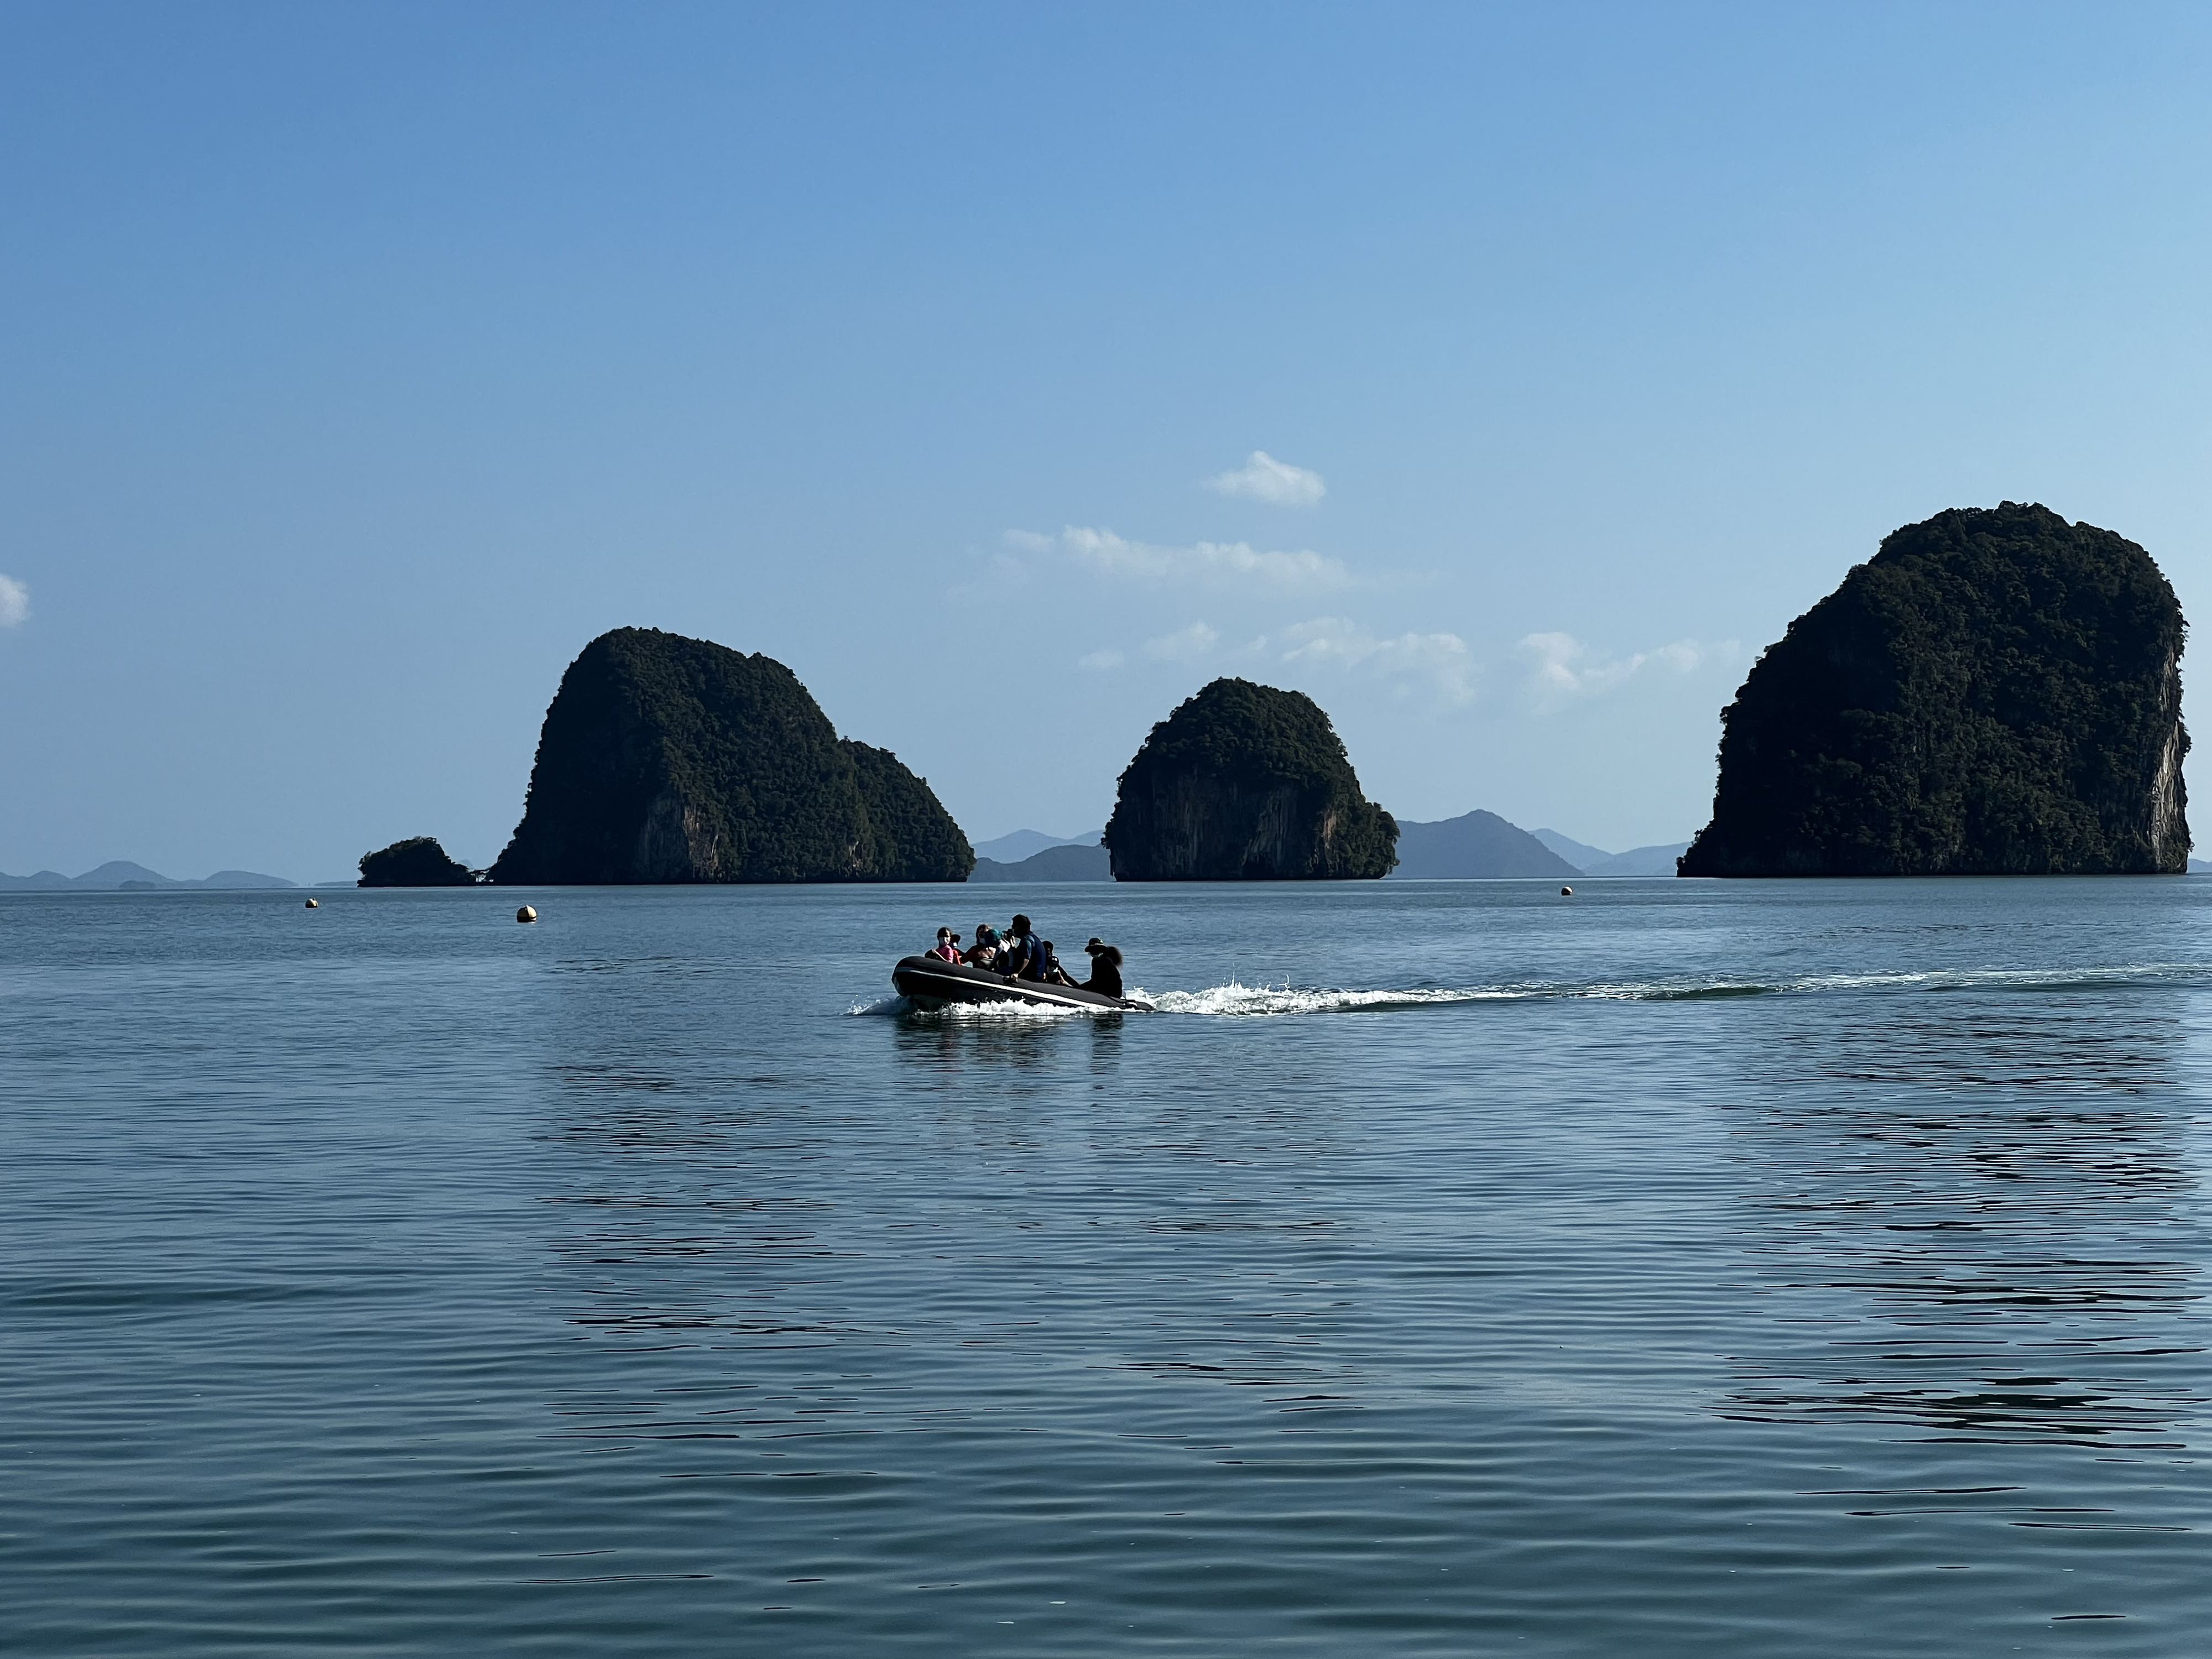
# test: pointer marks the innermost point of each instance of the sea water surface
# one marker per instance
(1454, 1268)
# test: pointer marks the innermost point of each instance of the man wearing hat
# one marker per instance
(1105, 969)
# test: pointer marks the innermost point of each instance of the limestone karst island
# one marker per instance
(1246, 783)
(1995, 692)
(668, 759)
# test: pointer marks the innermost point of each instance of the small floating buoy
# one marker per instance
(1566, 892)
(526, 913)
(314, 904)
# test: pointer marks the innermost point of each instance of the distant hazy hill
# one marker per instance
(1658, 861)
(117, 874)
(1013, 848)
(1475, 846)
(1580, 854)
(1061, 863)
(1655, 861)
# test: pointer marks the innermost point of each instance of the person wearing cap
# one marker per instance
(1105, 969)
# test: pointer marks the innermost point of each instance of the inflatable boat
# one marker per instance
(932, 981)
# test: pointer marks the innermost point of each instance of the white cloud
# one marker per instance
(1562, 669)
(1099, 661)
(14, 602)
(1264, 478)
(1210, 561)
(1184, 644)
(1439, 662)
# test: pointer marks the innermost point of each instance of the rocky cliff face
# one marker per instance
(1244, 782)
(668, 759)
(1995, 692)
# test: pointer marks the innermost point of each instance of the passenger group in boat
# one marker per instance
(1018, 953)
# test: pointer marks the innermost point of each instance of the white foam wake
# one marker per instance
(971, 1013)
(1235, 999)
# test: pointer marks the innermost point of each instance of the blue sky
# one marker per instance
(363, 362)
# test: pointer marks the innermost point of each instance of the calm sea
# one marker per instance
(1453, 1268)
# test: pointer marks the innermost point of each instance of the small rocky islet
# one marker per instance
(418, 861)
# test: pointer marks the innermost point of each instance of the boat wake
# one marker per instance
(1236, 1000)
(974, 1014)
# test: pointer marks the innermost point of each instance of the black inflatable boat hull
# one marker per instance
(932, 981)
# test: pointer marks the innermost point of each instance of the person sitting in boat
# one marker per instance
(1049, 968)
(1019, 955)
(1105, 969)
(948, 945)
(984, 953)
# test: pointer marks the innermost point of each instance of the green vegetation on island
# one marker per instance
(1244, 782)
(668, 759)
(917, 839)
(418, 862)
(1995, 692)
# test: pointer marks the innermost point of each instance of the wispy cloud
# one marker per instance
(1215, 563)
(1264, 478)
(1562, 669)
(1184, 645)
(1099, 661)
(1439, 663)
(14, 602)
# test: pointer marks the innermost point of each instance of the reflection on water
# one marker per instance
(983, 1042)
(1978, 1221)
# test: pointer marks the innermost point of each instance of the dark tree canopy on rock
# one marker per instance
(420, 862)
(668, 759)
(1995, 692)
(1244, 782)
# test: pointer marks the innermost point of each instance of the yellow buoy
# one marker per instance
(526, 913)
(314, 904)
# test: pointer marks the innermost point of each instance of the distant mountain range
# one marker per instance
(1656, 861)
(120, 875)
(1061, 861)
(1481, 846)
(1023, 843)
(1475, 846)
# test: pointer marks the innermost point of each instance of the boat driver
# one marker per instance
(1105, 969)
